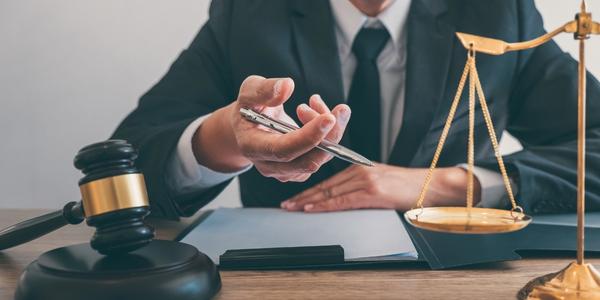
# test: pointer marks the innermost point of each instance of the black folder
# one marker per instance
(546, 232)
(436, 249)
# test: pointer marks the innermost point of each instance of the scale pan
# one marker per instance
(470, 221)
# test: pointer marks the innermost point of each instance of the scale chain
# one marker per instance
(493, 138)
(443, 137)
(471, 137)
(475, 90)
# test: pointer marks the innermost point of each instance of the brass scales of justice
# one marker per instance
(578, 280)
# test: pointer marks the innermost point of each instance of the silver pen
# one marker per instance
(336, 150)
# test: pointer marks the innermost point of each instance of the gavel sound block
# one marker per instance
(122, 261)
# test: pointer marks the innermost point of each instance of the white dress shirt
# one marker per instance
(186, 175)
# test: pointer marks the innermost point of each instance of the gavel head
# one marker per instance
(114, 197)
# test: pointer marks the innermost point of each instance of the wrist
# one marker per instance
(214, 143)
(452, 184)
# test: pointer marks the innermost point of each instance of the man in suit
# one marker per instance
(391, 64)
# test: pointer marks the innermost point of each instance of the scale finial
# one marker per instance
(583, 6)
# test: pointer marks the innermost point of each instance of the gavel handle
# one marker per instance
(72, 213)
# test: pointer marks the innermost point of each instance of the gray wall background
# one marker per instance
(70, 70)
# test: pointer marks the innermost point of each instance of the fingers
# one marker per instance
(342, 115)
(306, 113)
(317, 103)
(265, 146)
(353, 200)
(257, 92)
(334, 186)
(317, 106)
(323, 195)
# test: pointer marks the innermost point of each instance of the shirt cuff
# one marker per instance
(493, 191)
(185, 175)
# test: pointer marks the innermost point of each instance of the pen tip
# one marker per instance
(367, 162)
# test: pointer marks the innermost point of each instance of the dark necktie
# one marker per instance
(364, 97)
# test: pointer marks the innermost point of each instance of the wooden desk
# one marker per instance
(492, 281)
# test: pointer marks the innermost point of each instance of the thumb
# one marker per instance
(257, 92)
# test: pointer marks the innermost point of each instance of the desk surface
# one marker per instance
(491, 281)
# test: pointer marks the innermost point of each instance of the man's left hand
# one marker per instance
(383, 186)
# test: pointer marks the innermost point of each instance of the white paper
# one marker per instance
(362, 233)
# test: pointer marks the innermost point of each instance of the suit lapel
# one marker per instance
(316, 47)
(314, 36)
(430, 41)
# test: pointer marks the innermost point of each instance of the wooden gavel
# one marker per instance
(114, 201)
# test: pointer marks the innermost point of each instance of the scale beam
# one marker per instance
(498, 47)
(582, 26)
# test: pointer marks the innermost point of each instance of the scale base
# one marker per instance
(159, 270)
(573, 282)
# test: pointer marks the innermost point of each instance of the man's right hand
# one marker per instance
(227, 142)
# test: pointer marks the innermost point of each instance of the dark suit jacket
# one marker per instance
(531, 94)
